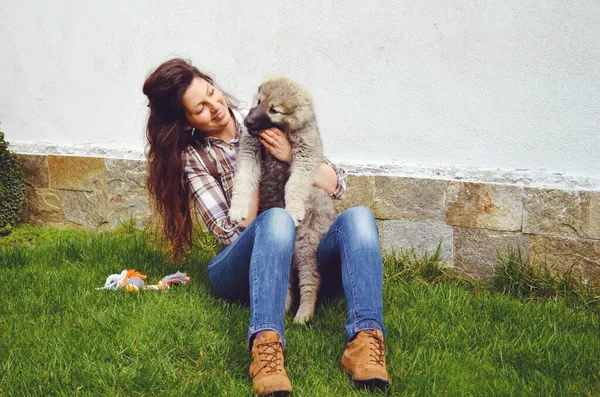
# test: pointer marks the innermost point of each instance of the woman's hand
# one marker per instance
(277, 143)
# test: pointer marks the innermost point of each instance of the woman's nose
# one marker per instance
(213, 105)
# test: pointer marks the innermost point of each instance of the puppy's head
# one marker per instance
(281, 103)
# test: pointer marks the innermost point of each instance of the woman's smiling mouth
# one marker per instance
(219, 115)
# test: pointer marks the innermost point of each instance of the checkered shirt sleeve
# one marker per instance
(209, 198)
(340, 191)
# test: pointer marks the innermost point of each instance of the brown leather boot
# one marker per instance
(267, 369)
(364, 359)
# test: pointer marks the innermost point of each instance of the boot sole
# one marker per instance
(371, 384)
(282, 393)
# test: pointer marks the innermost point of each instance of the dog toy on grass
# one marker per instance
(170, 280)
(133, 281)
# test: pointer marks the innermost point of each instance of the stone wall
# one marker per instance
(473, 221)
(88, 192)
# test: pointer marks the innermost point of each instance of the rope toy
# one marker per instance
(133, 281)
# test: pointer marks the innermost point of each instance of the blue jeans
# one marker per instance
(256, 268)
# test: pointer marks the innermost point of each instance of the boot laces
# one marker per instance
(377, 347)
(270, 361)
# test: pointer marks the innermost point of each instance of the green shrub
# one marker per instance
(12, 188)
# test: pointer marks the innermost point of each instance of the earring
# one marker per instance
(193, 130)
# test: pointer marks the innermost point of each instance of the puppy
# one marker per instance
(285, 104)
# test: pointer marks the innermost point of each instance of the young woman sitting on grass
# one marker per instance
(193, 134)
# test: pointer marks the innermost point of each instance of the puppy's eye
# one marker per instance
(258, 102)
(273, 111)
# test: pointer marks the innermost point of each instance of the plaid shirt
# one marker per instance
(213, 202)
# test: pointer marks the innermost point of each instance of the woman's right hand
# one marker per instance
(277, 143)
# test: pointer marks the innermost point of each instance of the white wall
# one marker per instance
(510, 85)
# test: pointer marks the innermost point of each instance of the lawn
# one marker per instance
(60, 336)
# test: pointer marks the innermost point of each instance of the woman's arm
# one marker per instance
(326, 178)
(339, 186)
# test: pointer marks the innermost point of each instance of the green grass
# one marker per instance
(523, 276)
(446, 336)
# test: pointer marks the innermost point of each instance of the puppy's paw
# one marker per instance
(304, 314)
(238, 212)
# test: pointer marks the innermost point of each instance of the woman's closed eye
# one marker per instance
(201, 109)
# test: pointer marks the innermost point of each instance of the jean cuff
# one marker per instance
(363, 325)
(252, 331)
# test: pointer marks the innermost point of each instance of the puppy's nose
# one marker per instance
(251, 123)
(257, 121)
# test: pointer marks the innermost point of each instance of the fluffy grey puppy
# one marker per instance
(284, 104)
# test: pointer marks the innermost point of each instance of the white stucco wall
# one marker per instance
(509, 84)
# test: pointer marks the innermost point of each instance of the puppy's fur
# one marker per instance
(284, 104)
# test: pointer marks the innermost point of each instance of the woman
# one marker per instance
(193, 134)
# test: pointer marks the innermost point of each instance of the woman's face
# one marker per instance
(205, 107)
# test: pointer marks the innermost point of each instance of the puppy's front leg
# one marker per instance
(302, 176)
(247, 178)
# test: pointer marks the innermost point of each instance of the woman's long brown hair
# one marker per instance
(167, 141)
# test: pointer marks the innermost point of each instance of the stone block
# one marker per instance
(44, 206)
(27, 212)
(86, 209)
(35, 168)
(421, 236)
(86, 174)
(476, 250)
(563, 254)
(409, 199)
(486, 206)
(359, 192)
(562, 213)
(127, 191)
(593, 228)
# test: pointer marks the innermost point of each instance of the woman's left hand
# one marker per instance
(277, 143)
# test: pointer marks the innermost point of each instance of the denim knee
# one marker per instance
(360, 221)
(279, 224)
